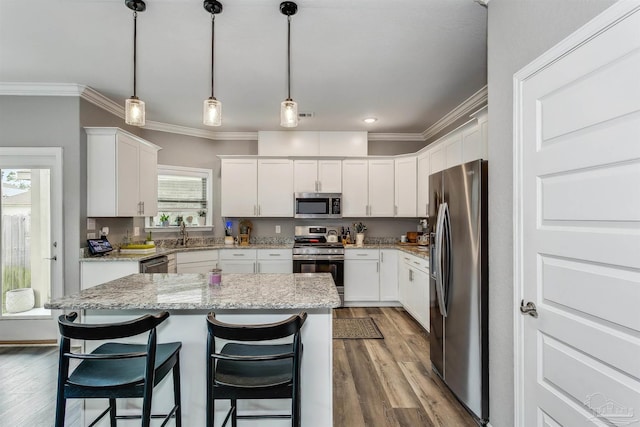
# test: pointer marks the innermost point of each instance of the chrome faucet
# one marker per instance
(183, 233)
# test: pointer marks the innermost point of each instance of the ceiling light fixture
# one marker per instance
(133, 107)
(288, 108)
(370, 120)
(212, 112)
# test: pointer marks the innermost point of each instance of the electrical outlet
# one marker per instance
(277, 229)
(136, 231)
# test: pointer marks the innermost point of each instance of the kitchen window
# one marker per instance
(184, 194)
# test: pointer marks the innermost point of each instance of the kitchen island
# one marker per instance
(240, 298)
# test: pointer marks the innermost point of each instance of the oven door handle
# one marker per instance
(318, 257)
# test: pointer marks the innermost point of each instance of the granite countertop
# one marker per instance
(193, 292)
(116, 256)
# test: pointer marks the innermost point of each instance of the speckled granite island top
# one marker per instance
(193, 292)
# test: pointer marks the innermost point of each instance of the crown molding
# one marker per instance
(469, 106)
(472, 104)
(201, 133)
(395, 137)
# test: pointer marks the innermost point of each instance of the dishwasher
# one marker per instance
(159, 264)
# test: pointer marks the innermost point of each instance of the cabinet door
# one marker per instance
(148, 178)
(421, 295)
(128, 177)
(355, 188)
(282, 266)
(381, 188)
(453, 151)
(238, 266)
(361, 280)
(239, 187)
(405, 187)
(424, 171)
(403, 281)
(330, 176)
(305, 176)
(388, 275)
(472, 147)
(275, 187)
(437, 159)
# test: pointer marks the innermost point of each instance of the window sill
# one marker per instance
(176, 229)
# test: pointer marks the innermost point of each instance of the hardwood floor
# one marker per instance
(377, 383)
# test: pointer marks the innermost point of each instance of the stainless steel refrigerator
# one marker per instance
(458, 290)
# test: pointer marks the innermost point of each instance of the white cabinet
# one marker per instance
(274, 261)
(388, 275)
(317, 176)
(361, 275)
(275, 188)
(414, 287)
(238, 260)
(94, 273)
(424, 170)
(368, 188)
(252, 187)
(239, 187)
(453, 150)
(196, 261)
(437, 159)
(405, 186)
(122, 177)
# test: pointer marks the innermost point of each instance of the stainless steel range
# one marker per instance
(314, 251)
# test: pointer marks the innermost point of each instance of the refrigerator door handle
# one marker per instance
(446, 266)
(442, 209)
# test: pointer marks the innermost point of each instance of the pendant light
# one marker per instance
(288, 108)
(212, 112)
(134, 107)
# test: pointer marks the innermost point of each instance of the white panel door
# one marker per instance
(330, 176)
(128, 177)
(424, 170)
(577, 240)
(305, 176)
(405, 183)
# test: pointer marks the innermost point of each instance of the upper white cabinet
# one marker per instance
(424, 170)
(368, 188)
(239, 190)
(275, 187)
(122, 177)
(312, 143)
(310, 176)
(405, 183)
(257, 187)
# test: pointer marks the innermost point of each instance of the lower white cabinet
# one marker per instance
(413, 286)
(388, 275)
(274, 261)
(98, 272)
(361, 275)
(196, 261)
(238, 260)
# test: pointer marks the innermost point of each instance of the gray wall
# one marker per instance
(28, 121)
(519, 32)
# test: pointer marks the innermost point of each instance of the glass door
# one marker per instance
(30, 222)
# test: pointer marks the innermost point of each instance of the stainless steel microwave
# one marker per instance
(318, 205)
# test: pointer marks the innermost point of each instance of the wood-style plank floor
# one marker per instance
(377, 383)
(389, 382)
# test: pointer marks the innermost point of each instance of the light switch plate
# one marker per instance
(136, 231)
(277, 229)
(91, 235)
(91, 224)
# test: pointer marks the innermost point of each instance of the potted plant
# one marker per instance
(359, 228)
(189, 219)
(179, 220)
(202, 214)
(164, 220)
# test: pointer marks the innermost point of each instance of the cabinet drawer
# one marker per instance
(274, 254)
(415, 262)
(231, 254)
(361, 254)
(196, 256)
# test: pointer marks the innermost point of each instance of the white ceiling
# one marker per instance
(406, 62)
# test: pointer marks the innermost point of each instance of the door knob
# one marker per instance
(529, 308)
(53, 258)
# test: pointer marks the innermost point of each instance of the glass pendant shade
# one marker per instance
(289, 114)
(212, 113)
(134, 112)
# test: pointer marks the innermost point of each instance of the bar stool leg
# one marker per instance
(112, 412)
(176, 392)
(234, 413)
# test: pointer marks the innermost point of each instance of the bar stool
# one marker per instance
(254, 371)
(117, 370)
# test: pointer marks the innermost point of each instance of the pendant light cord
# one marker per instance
(213, 32)
(288, 57)
(135, 36)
